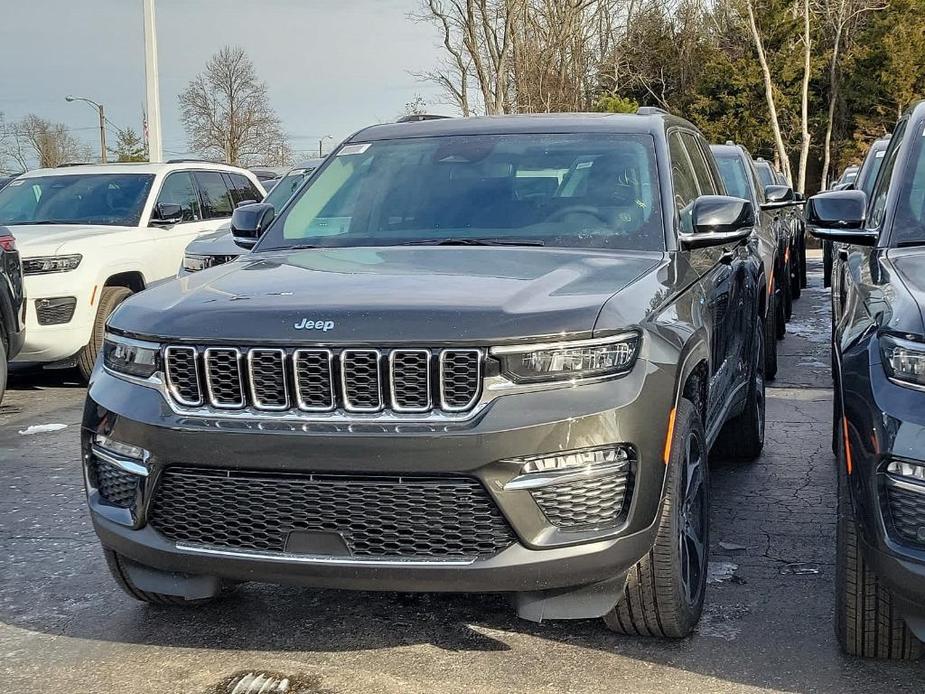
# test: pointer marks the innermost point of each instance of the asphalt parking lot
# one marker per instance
(767, 626)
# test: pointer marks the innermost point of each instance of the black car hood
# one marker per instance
(382, 295)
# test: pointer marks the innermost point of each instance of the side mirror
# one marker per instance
(166, 213)
(840, 216)
(799, 197)
(249, 222)
(719, 220)
(777, 196)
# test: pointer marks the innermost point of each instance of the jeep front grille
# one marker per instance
(378, 517)
(359, 380)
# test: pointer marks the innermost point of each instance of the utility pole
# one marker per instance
(321, 142)
(102, 114)
(155, 147)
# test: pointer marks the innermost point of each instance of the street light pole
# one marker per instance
(320, 142)
(155, 151)
(102, 114)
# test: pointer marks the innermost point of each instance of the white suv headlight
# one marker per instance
(47, 264)
(903, 360)
(567, 361)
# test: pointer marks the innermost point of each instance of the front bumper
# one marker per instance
(886, 422)
(540, 558)
(50, 343)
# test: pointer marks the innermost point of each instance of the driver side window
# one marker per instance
(683, 181)
(179, 189)
(877, 205)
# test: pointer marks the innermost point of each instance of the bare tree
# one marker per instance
(452, 76)
(227, 115)
(784, 159)
(805, 138)
(842, 17)
(36, 141)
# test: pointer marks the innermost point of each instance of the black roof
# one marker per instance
(651, 121)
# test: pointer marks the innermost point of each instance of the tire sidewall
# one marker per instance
(4, 370)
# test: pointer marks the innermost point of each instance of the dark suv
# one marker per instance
(772, 234)
(471, 355)
(878, 298)
(12, 304)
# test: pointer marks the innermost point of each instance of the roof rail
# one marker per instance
(416, 117)
(192, 160)
(75, 163)
(730, 143)
(651, 111)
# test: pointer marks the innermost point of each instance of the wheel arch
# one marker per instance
(131, 279)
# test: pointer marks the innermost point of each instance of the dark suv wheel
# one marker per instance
(664, 591)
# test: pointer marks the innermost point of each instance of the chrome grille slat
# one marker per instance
(182, 370)
(223, 377)
(359, 381)
(313, 372)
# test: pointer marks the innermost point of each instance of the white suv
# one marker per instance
(92, 235)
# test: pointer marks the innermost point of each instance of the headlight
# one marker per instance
(44, 265)
(903, 360)
(131, 357)
(195, 263)
(566, 361)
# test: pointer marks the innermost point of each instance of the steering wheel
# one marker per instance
(560, 215)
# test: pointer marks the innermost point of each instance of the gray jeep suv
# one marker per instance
(470, 355)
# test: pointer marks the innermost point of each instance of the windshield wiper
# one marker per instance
(45, 221)
(474, 242)
(909, 244)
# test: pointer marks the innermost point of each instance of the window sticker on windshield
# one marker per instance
(583, 165)
(882, 152)
(354, 149)
(16, 183)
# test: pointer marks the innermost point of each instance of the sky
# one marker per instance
(331, 66)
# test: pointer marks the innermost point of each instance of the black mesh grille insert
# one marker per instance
(267, 371)
(402, 517)
(361, 380)
(314, 379)
(183, 374)
(55, 311)
(114, 484)
(460, 378)
(907, 509)
(223, 377)
(585, 505)
(410, 380)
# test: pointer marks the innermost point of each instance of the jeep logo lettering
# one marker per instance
(322, 325)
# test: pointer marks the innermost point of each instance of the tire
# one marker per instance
(867, 621)
(770, 341)
(787, 294)
(114, 562)
(4, 369)
(796, 283)
(804, 282)
(742, 437)
(826, 264)
(110, 297)
(657, 601)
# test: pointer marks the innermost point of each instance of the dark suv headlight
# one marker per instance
(131, 357)
(570, 360)
(903, 360)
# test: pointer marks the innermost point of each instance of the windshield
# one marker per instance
(909, 220)
(735, 178)
(572, 190)
(287, 185)
(107, 199)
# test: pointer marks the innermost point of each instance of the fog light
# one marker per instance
(913, 471)
(119, 449)
(569, 466)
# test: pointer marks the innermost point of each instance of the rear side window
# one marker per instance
(216, 198)
(735, 177)
(179, 189)
(242, 189)
(705, 178)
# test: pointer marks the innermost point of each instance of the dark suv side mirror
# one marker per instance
(778, 196)
(248, 223)
(840, 215)
(718, 220)
(166, 213)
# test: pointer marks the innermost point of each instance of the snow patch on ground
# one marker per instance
(41, 429)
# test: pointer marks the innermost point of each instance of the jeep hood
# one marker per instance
(48, 239)
(385, 295)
